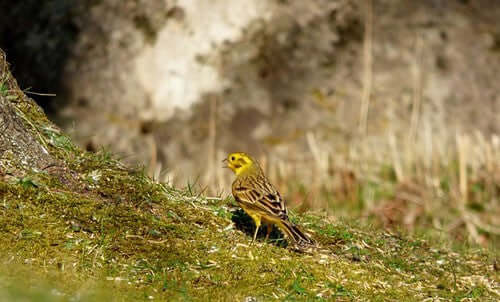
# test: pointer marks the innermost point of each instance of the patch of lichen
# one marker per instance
(121, 232)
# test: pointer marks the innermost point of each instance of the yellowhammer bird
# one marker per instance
(260, 200)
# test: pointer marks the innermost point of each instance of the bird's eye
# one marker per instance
(233, 158)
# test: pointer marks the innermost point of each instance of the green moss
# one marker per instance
(96, 230)
(3, 89)
(89, 229)
(138, 239)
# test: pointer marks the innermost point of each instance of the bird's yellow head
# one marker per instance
(240, 162)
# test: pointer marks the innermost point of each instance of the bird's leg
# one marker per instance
(269, 229)
(255, 234)
(257, 225)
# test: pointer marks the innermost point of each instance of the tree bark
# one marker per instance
(23, 146)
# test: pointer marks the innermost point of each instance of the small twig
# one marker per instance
(158, 242)
(150, 241)
(40, 94)
(134, 236)
(213, 198)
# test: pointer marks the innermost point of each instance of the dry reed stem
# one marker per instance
(477, 158)
(210, 172)
(221, 180)
(316, 152)
(462, 149)
(367, 66)
(417, 89)
(157, 172)
(396, 160)
(153, 163)
(428, 150)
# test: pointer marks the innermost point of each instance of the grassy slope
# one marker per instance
(93, 230)
(113, 232)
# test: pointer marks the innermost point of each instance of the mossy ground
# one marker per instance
(112, 233)
(89, 229)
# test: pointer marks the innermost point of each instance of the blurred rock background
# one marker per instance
(386, 110)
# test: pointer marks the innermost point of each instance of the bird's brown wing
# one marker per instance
(256, 194)
(259, 195)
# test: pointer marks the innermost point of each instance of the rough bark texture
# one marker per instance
(22, 147)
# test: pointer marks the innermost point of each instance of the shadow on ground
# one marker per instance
(244, 223)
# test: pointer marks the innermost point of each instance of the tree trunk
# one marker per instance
(23, 129)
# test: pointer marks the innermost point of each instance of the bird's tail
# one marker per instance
(295, 234)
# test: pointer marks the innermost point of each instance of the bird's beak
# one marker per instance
(225, 161)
